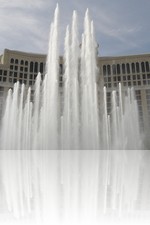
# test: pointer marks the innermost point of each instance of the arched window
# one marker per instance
(123, 68)
(26, 63)
(114, 69)
(12, 60)
(137, 67)
(16, 61)
(108, 69)
(22, 62)
(104, 70)
(31, 67)
(133, 67)
(36, 67)
(143, 67)
(128, 67)
(147, 66)
(41, 67)
(118, 69)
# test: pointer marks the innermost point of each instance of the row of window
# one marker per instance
(23, 80)
(16, 61)
(33, 66)
(126, 68)
(23, 75)
(3, 72)
(128, 77)
(128, 83)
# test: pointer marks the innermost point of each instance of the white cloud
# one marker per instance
(24, 3)
(24, 24)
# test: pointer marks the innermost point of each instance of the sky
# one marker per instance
(122, 27)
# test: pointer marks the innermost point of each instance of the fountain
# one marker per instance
(58, 158)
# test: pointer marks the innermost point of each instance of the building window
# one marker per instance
(12, 60)
(123, 68)
(16, 67)
(26, 69)
(4, 79)
(31, 67)
(5, 72)
(104, 70)
(138, 77)
(129, 78)
(31, 76)
(21, 75)
(25, 76)
(11, 67)
(144, 76)
(16, 61)
(15, 74)
(109, 79)
(124, 77)
(119, 78)
(147, 66)
(148, 76)
(41, 67)
(36, 67)
(137, 67)
(26, 63)
(137, 92)
(0, 72)
(133, 67)
(108, 69)
(22, 62)
(10, 73)
(128, 68)
(118, 69)
(114, 69)
(143, 67)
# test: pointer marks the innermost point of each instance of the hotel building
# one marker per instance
(130, 71)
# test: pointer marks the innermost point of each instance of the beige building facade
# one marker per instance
(130, 71)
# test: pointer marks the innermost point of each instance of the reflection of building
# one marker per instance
(127, 70)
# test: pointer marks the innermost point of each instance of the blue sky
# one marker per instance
(122, 27)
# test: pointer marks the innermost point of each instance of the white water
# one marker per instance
(47, 186)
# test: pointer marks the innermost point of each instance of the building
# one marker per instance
(130, 71)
